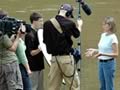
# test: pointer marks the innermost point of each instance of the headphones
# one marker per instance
(68, 13)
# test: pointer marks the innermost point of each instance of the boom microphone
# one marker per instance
(86, 9)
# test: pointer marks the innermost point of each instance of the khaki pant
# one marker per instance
(56, 76)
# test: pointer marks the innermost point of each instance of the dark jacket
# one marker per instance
(59, 43)
(36, 62)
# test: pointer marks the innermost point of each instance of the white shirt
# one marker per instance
(42, 46)
(105, 44)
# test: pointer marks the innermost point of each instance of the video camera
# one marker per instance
(10, 25)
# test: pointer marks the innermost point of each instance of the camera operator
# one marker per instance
(22, 60)
(10, 76)
(59, 45)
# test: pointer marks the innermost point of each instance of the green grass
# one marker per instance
(90, 35)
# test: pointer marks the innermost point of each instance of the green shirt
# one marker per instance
(20, 52)
(6, 56)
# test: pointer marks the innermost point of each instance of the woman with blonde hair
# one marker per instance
(106, 53)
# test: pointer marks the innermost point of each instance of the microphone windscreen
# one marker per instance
(86, 9)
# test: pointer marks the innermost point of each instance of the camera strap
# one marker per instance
(56, 25)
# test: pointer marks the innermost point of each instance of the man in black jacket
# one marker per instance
(33, 53)
(59, 45)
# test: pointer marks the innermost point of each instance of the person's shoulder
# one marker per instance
(103, 34)
(6, 38)
(28, 35)
(114, 35)
(47, 21)
(114, 38)
(6, 41)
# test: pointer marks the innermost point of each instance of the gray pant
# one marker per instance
(10, 76)
(37, 80)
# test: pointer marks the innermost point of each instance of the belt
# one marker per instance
(106, 60)
(61, 54)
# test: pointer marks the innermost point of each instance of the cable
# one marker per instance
(68, 76)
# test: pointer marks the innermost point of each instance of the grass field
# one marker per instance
(90, 35)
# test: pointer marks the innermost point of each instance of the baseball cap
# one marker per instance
(68, 8)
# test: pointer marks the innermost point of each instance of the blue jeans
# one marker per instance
(106, 74)
(26, 79)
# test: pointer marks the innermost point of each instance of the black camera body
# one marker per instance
(10, 25)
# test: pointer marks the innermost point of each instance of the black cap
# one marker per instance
(68, 8)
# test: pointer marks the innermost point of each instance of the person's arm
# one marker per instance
(48, 35)
(35, 52)
(29, 44)
(24, 60)
(9, 44)
(26, 65)
(76, 29)
(20, 52)
(15, 44)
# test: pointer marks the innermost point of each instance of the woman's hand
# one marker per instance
(29, 71)
(90, 52)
